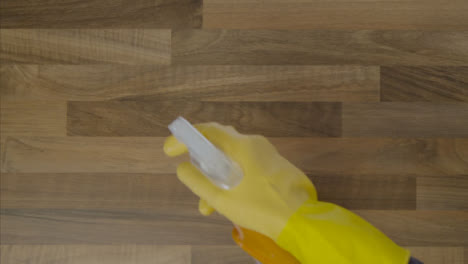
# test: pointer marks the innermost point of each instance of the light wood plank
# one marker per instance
(94, 254)
(118, 191)
(176, 226)
(431, 84)
(318, 47)
(89, 46)
(405, 120)
(204, 82)
(150, 118)
(316, 14)
(93, 154)
(29, 118)
(442, 193)
(438, 255)
(101, 14)
(424, 157)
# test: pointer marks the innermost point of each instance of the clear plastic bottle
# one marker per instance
(212, 162)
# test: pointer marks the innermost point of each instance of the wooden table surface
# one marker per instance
(369, 98)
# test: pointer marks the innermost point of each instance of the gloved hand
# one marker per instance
(277, 200)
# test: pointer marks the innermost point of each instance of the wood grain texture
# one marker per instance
(101, 14)
(315, 14)
(234, 255)
(442, 193)
(175, 226)
(405, 120)
(204, 82)
(150, 118)
(88, 46)
(93, 154)
(124, 190)
(436, 255)
(409, 228)
(220, 255)
(94, 254)
(431, 84)
(424, 157)
(376, 156)
(151, 226)
(29, 118)
(320, 47)
(386, 192)
(94, 191)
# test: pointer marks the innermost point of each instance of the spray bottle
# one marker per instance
(226, 174)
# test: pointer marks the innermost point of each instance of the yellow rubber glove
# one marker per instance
(277, 199)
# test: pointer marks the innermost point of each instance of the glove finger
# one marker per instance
(197, 182)
(204, 208)
(172, 147)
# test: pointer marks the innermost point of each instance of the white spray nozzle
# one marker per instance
(211, 161)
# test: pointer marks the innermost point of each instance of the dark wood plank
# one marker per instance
(421, 228)
(442, 193)
(320, 47)
(204, 82)
(438, 255)
(31, 117)
(235, 255)
(220, 255)
(397, 119)
(157, 226)
(328, 156)
(150, 118)
(431, 84)
(104, 254)
(119, 190)
(101, 14)
(384, 192)
(316, 14)
(174, 226)
(88, 46)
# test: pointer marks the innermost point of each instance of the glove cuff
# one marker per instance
(326, 233)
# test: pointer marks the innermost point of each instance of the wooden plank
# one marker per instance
(442, 193)
(119, 190)
(370, 156)
(174, 226)
(220, 255)
(150, 118)
(101, 14)
(235, 255)
(77, 154)
(316, 14)
(384, 192)
(431, 84)
(94, 191)
(320, 47)
(204, 82)
(377, 156)
(438, 255)
(74, 46)
(158, 226)
(28, 118)
(405, 119)
(421, 228)
(94, 254)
